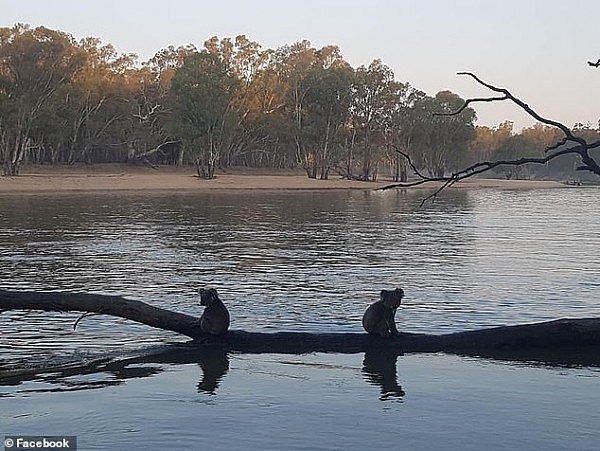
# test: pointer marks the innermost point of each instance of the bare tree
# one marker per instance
(569, 144)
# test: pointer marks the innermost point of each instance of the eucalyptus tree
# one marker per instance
(502, 142)
(256, 94)
(377, 96)
(165, 62)
(96, 104)
(316, 86)
(294, 62)
(513, 147)
(269, 123)
(444, 139)
(142, 129)
(202, 97)
(154, 118)
(72, 109)
(34, 65)
(487, 139)
(327, 109)
(540, 136)
(407, 119)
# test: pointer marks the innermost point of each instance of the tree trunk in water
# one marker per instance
(550, 339)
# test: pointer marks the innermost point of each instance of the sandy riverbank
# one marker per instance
(101, 178)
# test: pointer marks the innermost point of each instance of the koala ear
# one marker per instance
(382, 294)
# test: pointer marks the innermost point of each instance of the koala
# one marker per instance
(379, 316)
(215, 319)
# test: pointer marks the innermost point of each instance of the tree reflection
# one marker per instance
(379, 368)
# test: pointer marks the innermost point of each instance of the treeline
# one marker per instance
(234, 103)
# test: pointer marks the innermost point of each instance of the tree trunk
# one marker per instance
(552, 339)
(403, 172)
(130, 152)
(325, 154)
(310, 165)
(108, 305)
(13, 147)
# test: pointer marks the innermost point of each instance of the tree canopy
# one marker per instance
(236, 103)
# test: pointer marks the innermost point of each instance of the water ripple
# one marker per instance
(300, 261)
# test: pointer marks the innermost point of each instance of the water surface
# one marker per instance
(319, 401)
(302, 261)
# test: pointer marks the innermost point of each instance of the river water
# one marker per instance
(303, 261)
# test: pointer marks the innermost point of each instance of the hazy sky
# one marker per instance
(536, 49)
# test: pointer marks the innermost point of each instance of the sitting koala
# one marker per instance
(215, 319)
(379, 316)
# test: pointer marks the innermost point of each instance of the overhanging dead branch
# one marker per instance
(579, 146)
(556, 145)
(474, 169)
(509, 96)
(474, 100)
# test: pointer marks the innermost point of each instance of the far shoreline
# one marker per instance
(116, 178)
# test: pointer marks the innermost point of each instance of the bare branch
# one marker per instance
(589, 164)
(85, 315)
(562, 127)
(596, 64)
(469, 101)
(156, 149)
(411, 164)
(433, 195)
(579, 146)
(475, 169)
(144, 117)
(594, 145)
(556, 145)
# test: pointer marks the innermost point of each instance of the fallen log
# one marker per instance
(138, 311)
(552, 338)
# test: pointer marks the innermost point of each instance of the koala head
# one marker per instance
(208, 296)
(392, 298)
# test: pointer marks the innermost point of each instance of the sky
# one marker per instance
(536, 49)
